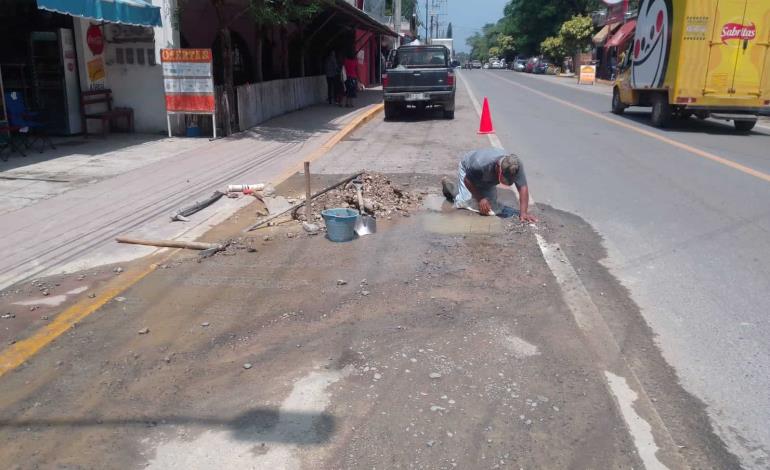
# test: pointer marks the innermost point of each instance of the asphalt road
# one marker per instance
(684, 216)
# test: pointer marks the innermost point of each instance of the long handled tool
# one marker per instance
(365, 224)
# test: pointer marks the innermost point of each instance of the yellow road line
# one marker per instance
(17, 353)
(687, 148)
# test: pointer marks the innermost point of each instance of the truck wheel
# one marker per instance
(449, 114)
(661, 111)
(391, 110)
(744, 126)
(617, 106)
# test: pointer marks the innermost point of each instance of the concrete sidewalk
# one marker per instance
(73, 227)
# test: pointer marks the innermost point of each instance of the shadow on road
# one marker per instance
(690, 125)
(418, 115)
(259, 425)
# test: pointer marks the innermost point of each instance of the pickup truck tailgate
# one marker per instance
(418, 79)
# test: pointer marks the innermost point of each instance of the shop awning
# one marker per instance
(601, 37)
(133, 12)
(362, 20)
(625, 33)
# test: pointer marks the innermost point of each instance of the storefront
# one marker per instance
(617, 44)
(38, 63)
(56, 49)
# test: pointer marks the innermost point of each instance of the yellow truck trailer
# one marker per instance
(698, 57)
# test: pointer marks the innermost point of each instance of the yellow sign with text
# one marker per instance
(96, 69)
(587, 75)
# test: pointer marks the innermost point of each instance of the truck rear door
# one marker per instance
(421, 69)
(753, 49)
(724, 47)
(738, 49)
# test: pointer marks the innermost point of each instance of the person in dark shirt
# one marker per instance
(479, 174)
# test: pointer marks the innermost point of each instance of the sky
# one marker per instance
(468, 16)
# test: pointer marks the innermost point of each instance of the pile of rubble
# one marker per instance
(381, 197)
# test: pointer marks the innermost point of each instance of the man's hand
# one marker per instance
(484, 206)
(525, 217)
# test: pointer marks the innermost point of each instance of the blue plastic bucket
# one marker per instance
(340, 224)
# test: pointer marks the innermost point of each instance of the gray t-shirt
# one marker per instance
(481, 168)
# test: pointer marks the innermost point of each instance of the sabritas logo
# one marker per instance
(738, 31)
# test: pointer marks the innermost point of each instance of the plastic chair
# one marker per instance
(7, 141)
(25, 123)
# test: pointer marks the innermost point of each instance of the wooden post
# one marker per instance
(308, 194)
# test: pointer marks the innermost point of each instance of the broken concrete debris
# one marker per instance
(381, 198)
(310, 228)
(144, 331)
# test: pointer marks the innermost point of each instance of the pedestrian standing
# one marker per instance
(332, 71)
(351, 80)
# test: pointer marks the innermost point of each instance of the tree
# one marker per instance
(494, 51)
(530, 22)
(506, 45)
(480, 42)
(553, 48)
(576, 33)
(407, 8)
(449, 30)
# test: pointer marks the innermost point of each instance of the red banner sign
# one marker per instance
(95, 39)
(738, 31)
(188, 80)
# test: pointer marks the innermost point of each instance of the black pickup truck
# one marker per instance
(419, 76)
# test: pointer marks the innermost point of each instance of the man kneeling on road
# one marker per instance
(479, 173)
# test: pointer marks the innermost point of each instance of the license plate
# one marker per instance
(416, 97)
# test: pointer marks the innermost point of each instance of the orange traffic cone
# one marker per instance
(485, 127)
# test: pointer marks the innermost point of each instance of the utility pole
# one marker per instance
(427, 34)
(397, 20)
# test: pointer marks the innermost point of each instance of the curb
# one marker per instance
(18, 353)
(340, 135)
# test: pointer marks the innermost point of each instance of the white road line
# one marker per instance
(640, 429)
(610, 357)
(493, 139)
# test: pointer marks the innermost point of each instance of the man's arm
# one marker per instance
(485, 207)
(524, 214)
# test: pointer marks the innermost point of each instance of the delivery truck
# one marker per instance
(707, 58)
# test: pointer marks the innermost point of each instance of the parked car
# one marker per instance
(541, 68)
(419, 76)
(496, 65)
(476, 64)
(519, 65)
(531, 63)
(486, 66)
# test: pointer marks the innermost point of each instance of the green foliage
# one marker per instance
(449, 30)
(506, 44)
(281, 12)
(480, 42)
(494, 51)
(553, 48)
(531, 22)
(407, 8)
(576, 33)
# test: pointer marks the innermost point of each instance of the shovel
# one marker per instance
(365, 224)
